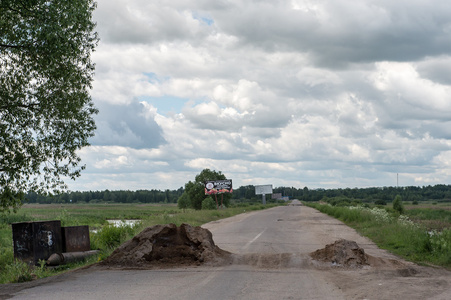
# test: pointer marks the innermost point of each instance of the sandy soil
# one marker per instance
(166, 246)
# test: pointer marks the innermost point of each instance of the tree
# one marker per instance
(196, 190)
(196, 194)
(183, 202)
(397, 204)
(208, 203)
(46, 112)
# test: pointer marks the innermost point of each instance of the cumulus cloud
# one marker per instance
(131, 125)
(293, 92)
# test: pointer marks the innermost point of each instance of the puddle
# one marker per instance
(119, 223)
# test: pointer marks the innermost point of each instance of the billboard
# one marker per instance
(218, 187)
(276, 196)
(263, 189)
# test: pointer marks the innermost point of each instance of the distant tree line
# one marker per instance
(140, 196)
(440, 192)
(410, 193)
(373, 194)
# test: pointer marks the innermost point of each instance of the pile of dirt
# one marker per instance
(166, 246)
(342, 253)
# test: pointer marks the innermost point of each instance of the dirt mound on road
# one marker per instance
(167, 246)
(342, 253)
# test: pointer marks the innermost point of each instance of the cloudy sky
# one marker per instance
(316, 93)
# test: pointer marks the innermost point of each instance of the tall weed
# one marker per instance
(112, 236)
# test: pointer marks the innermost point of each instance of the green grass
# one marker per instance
(436, 218)
(107, 238)
(399, 234)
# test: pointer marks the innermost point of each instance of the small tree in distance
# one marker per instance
(183, 201)
(195, 191)
(397, 204)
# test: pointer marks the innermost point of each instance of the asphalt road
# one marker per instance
(273, 246)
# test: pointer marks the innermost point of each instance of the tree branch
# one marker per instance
(11, 46)
(31, 105)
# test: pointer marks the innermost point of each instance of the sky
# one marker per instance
(296, 93)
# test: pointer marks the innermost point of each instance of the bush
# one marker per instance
(342, 201)
(380, 202)
(183, 201)
(111, 236)
(19, 271)
(208, 203)
(397, 204)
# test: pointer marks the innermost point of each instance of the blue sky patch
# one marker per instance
(166, 104)
(203, 18)
(154, 78)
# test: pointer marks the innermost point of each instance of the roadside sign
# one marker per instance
(276, 196)
(213, 187)
(263, 189)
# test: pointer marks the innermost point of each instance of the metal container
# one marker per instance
(76, 238)
(36, 240)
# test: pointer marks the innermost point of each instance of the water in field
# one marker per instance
(119, 223)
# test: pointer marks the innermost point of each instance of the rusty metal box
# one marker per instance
(36, 240)
(76, 238)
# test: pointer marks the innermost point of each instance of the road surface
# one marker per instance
(272, 248)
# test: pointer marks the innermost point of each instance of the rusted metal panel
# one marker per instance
(76, 238)
(36, 240)
(23, 241)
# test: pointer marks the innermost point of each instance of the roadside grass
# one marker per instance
(433, 218)
(104, 236)
(399, 234)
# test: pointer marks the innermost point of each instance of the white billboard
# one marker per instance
(263, 189)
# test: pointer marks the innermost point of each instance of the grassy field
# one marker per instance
(422, 234)
(106, 237)
(432, 216)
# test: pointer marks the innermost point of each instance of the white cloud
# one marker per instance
(293, 92)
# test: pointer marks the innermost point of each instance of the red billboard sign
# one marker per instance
(218, 187)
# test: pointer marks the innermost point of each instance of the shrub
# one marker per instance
(441, 241)
(380, 202)
(208, 203)
(16, 272)
(397, 204)
(111, 236)
(19, 271)
(183, 201)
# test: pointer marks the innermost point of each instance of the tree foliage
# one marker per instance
(440, 192)
(120, 196)
(208, 203)
(397, 204)
(196, 190)
(183, 201)
(46, 112)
